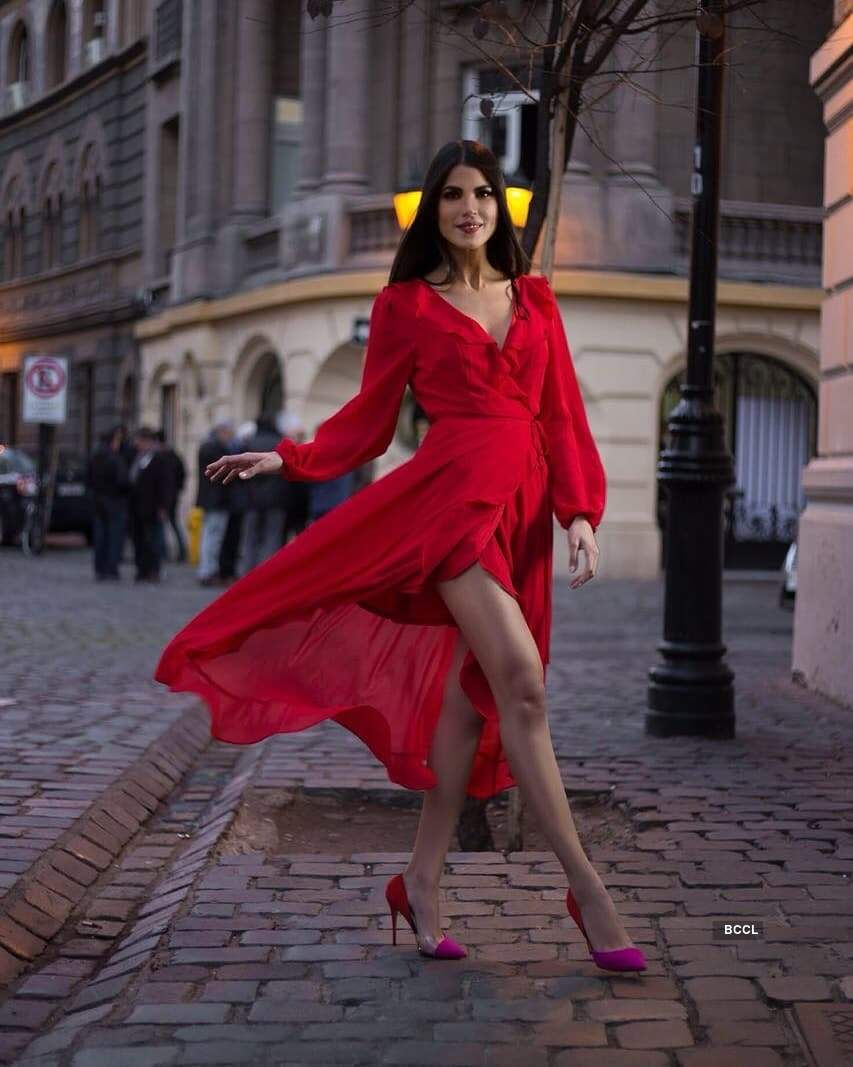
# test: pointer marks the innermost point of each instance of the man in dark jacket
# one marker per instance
(213, 498)
(263, 521)
(108, 478)
(176, 475)
(148, 501)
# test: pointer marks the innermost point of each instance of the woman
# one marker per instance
(417, 613)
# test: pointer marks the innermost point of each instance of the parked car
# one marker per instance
(788, 590)
(73, 505)
(18, 487)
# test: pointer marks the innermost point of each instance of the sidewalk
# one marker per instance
(86, 736)
(277, 957)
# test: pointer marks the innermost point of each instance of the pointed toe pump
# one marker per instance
(616, 959)
(398, 901)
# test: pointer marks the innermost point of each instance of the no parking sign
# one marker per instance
(45, 388)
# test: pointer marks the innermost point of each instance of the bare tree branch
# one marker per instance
(618, 27)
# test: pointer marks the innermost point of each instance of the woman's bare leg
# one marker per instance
(454, 744)
(497, 632)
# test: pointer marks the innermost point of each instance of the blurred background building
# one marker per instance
(236, 200)
(72, 132)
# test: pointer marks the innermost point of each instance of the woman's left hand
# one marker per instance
(582, 538)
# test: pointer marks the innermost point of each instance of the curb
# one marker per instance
(36, 907)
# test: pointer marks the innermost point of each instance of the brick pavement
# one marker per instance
(286, 959)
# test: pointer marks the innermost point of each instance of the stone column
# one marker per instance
(638, 208)
(347, 82)
(823, 613)
(113, 37)
(74, 57)
(252, 109)
(312, 78)
(193, 265)
(414, 111)
(581, 227)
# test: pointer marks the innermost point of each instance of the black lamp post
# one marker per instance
(691, 691)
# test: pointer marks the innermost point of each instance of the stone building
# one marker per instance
(274, 144)
(72, 127)
(823, 618)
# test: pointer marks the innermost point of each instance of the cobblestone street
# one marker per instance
(151, 919)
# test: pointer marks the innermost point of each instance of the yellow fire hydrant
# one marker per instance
(194, 521)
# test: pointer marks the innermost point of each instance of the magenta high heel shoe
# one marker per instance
(614, 959)
(398, 900)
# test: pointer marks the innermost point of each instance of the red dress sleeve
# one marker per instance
(578, 481)
(363, 428)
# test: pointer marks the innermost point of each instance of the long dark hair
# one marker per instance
(422, 248)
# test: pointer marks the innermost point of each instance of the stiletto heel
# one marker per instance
(398, 901)
(615, 959)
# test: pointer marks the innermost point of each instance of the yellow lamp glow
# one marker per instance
(406, 206)
(518, 201)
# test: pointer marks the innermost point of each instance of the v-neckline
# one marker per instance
(470, 318)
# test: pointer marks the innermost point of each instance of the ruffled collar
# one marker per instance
(439, 314)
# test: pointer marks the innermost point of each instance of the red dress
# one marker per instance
(345, 621)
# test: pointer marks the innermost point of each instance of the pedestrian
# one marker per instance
(297, 495)
(149, 488)
(212, 497)
(108, 479)
(176, 473)
(127, 451)
(237, 501)
(263, 520)
(418, 614)
(326, 495)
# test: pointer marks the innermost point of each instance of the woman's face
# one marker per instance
(467, 209)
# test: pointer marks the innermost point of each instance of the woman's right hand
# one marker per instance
(244, 465)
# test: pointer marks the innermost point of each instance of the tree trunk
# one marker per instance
(555, 189)
(472, 827)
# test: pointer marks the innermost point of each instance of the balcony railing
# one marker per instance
(765, 242)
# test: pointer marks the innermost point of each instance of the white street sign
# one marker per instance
(45, 388)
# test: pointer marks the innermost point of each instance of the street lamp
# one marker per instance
(519, 193)
(691, 691)
(406, 203)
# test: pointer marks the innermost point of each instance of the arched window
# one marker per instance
(57, 44)
(770, 414)
(127, 406)
(52, 218)
(19, 55)
(90, 202)
(270, 399)
(15, 217)
(18, 68)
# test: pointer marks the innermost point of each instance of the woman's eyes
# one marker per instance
(484, 192)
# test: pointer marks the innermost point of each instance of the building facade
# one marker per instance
(273, 146)
(72, 128)
(823, 618)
